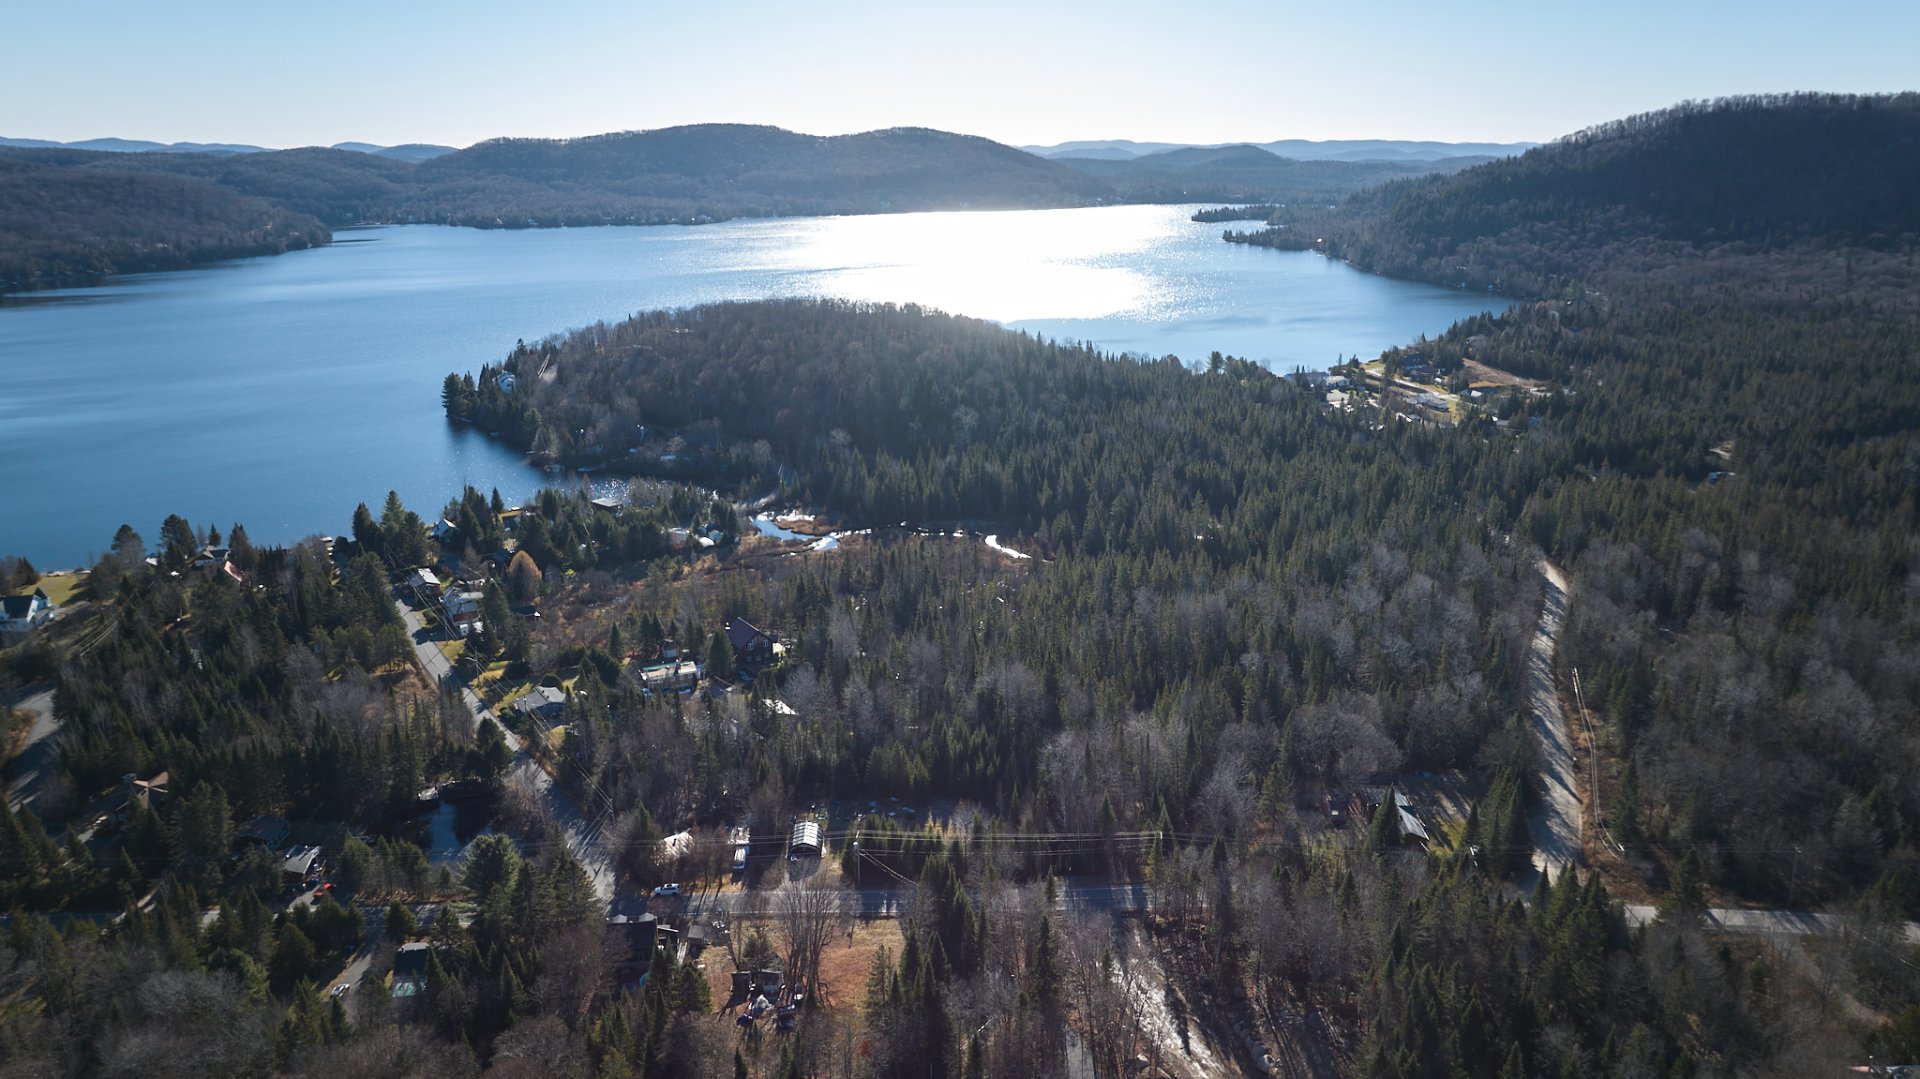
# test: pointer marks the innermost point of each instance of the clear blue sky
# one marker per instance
(1020, 72)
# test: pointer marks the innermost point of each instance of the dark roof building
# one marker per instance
(752, 646)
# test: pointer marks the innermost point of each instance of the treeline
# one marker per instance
(1256, 212)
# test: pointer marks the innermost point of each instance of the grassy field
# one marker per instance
(61, 586)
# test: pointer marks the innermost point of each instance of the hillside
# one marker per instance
(1241, 174)
(66, 219)
(1739, 179)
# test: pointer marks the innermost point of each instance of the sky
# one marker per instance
(1019, 72)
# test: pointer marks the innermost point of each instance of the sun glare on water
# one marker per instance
(1001, 266)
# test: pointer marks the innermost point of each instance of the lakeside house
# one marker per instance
(21, 615)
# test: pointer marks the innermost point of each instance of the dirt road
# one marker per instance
(1554, 824)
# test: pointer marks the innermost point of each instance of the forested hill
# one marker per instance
(74, 214)
(1247, 174)
(1737, 178)
(720, 170)
(66, 217)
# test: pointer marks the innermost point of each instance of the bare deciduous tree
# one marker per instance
(810, 914)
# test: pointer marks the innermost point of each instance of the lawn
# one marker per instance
(61, 586)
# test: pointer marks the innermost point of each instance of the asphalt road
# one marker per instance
(1778, 923)
(582, 829)
(1082, 896)
(29, 770)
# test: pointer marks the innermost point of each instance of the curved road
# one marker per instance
(582, 831)
(1554, 824)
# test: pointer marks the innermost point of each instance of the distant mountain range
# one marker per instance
(413, 151)
(1248, 174)
(72, 213)
(1295, 149)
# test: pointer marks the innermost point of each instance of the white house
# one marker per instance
(21, 615)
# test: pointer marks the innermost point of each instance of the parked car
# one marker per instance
(667, 889)
(340, 990)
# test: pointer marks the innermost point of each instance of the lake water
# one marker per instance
(279, 392)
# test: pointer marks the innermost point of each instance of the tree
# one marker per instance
(720, 662)
(401, 924)
(492, 868)
(1686, 897)
(1383, 832)
(129, 550)
(366, 531)
(293, 958)
(177, 542)
(810, 914)
(523, 577)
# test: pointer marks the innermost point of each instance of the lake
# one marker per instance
(279, 392)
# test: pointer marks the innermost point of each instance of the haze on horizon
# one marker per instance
(1019, 73)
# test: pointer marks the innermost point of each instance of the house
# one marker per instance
(21, 615)
(268, 833)
(423, 584)
(677, 538)
(609, 505)
(752, 647)
(544, 703)
(148, 792)
(442, 529)
(463, 611)
(211, 556)
(805, 842)
(410, 968)
(670, 677)
(459, 603)
(1368, 800)
(633, 939)
(300, 865)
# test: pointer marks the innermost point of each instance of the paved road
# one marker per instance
(1554, 825)
(582, 829)
(1087, 897)
(1779, 923)
(29, 771)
